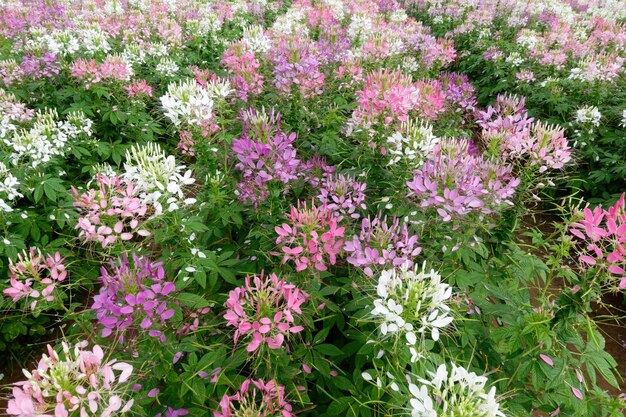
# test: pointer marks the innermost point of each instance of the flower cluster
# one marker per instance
(157, 178)
(389, 96)
(133, 298)
(411, 144)
(312, 238)
(264, 311)
(243, 67)
(187, 103)
(296, 64)
(457, 183)
(410, 302)
(255, 398)
(454, 392)
(8, 188)
(35, 276)
(511, 135)
(110, 212)
(380, 245)
(604, 232)
(91, 72)
(80, 381)
(265, 154)
(343, 195)
(47, 138)
(460, 93)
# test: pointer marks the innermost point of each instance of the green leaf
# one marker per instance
(192, 300)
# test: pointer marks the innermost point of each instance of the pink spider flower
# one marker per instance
(264, 311)
(35, 276)
(255, 398)
(133, 300)
(390, 96)
(604, 232)
(78, 383)
(311, 238)
(243, 67)
(138, 88)
(111, 212)
(380, 245)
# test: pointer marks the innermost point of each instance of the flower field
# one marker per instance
(369, 208)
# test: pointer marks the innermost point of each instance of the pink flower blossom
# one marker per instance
(255, 398)
(264, 311)
(311, 238)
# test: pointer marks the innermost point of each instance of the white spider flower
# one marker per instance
(457, 392)
(158, 180)
(411, 302)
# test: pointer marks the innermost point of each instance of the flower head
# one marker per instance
(79, 381)
(255, 398)
(264, 311)
(412, 301)
(311, 238)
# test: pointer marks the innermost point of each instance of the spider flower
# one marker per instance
(35, 276)
(380, 245)
(457, 183)
(133, 299)
(412, 301)
(311, 238)
(255, 398)
(454, 392)
(343, 195)
(264, 311)
(111, 212)
(78, 382)
(604, 233)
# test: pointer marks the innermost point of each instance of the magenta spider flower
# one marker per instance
(312, 238)
(264, 311)
(380, 245)
(35, 276)
(133, 299)
(256, 398)
(243, 66)
(343, 195)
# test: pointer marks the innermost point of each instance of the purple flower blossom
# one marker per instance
(266, 155)
(343, 195)
(133, 299)
(381, 246)
(457, 183)
(38, 67)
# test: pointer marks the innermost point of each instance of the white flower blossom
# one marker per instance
(187, 102)
(158, 180)
(457, 392)
(411, 302)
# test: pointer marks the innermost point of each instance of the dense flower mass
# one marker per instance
(111, 212)
(312, 237)
(157, 178)
(604, 232)
(133, 299)
(77, 382)
(264, 311)
(343, 195)
(454, 392)
(265, 156)
(277, 208)
(456, 182)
